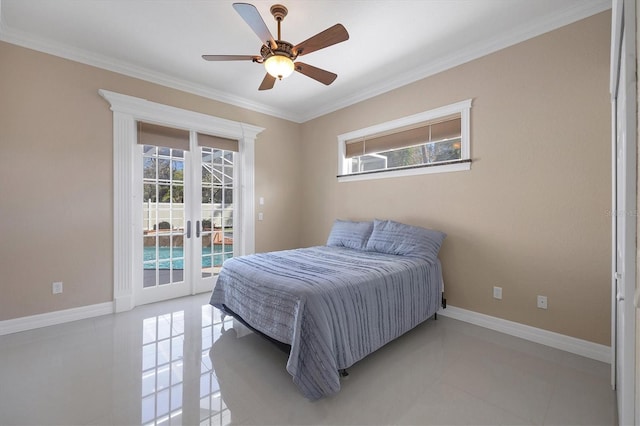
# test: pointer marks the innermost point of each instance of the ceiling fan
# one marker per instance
(278, 56)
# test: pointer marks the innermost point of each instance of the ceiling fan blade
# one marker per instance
(324, 77)
(326, 38)
(252, 17)
(230, 57)
(267, 82)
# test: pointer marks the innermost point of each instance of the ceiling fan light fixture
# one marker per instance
(278, 55)
(279, 66)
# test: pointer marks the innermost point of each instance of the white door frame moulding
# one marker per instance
(126, 111)
(533, 334)
(623, 90)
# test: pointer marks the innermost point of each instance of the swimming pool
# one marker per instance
(164, 257)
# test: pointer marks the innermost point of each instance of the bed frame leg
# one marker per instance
(443, 303)
(343, 372)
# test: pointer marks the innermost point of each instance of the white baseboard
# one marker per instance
(57, 317)
(538, 335)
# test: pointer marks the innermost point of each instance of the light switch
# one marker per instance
(260, 216)
(261, 201)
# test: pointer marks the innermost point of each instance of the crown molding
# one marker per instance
(29, 41)
(564, 17)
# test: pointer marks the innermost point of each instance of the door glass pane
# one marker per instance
(217, 209)
(163, 216)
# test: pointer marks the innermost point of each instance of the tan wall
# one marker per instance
(531, 215)
(56, 190)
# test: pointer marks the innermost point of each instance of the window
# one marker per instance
(433, 141)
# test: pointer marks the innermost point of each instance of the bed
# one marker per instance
(333, 305)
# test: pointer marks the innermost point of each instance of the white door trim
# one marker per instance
(126, 111)
(624, 122)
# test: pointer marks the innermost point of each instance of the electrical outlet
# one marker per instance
(497, 293)
(56, 288)
(542, 302)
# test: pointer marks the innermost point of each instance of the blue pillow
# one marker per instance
(405, 240)
(345, 233)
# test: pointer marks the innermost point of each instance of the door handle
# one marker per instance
(188, 229)
(197, 229)
(620, 297)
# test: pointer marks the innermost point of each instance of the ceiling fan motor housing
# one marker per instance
(284, 49)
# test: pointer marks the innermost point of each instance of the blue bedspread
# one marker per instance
(333, 305)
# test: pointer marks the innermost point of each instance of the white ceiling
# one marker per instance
(392, 43)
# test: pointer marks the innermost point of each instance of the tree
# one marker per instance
(163, 180)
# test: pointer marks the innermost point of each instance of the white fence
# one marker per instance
(173, 214)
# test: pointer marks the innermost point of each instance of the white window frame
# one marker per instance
(463, 108)
(127, 110)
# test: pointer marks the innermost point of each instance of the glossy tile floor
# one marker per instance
(176, 363)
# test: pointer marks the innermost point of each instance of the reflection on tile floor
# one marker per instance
(178, 363)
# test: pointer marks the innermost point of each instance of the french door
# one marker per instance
(186, 218)
(127, 184)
